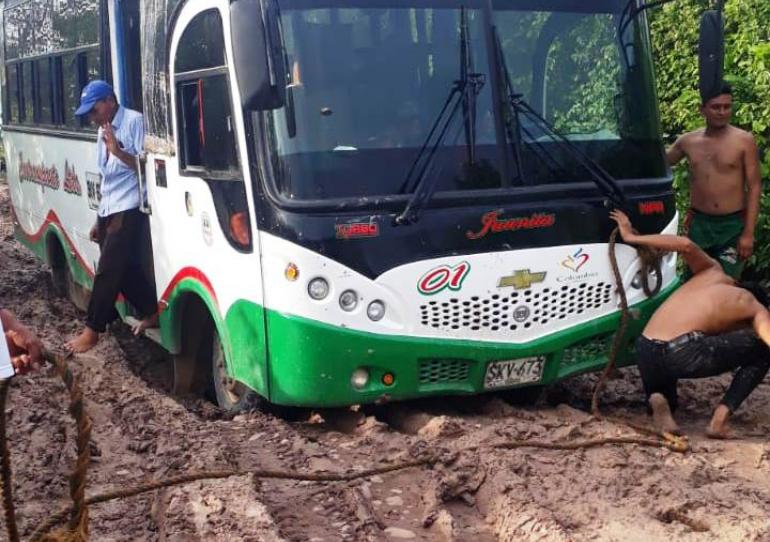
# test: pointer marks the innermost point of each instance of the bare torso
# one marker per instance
(708, 302)
(717, 176)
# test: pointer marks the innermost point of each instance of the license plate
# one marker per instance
(514, 372)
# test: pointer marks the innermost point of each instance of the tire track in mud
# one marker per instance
(140, 431)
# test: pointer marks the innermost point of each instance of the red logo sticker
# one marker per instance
(357, 230)
(652, 207)
(491, 222)
(442, 277)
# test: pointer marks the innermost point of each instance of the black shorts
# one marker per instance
(697, 355)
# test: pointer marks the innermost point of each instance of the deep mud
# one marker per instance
(141, 431)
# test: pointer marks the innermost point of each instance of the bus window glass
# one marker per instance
(28, 90)
(13, 92)
(71, 90)
(190, 123)
(92, 65)
(202, 44)
(44, 113)
(368, 82)
(208, 140)
(219, 147)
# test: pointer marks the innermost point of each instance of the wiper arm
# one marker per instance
(464, 92)
(606, 182)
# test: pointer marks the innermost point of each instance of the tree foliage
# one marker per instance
(747, 67)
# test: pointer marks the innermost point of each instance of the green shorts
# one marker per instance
(718, 236)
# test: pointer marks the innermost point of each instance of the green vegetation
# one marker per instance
(747, 68)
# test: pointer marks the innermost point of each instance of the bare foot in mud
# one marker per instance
(147, 323)
(83, 342)
(718, 428)
(661, 415)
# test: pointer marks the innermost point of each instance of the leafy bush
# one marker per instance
(674, 30)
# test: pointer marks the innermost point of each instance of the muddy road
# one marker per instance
(719, 490)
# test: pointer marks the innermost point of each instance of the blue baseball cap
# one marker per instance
(93, 92)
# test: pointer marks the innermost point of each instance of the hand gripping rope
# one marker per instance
(77, 527)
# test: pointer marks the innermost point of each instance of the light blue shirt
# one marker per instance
(120, 185)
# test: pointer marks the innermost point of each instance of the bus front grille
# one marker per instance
(592, 349)
(441, 371)
(518, 310)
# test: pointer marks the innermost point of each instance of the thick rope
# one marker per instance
(620, 334)
(5, 459)
(77, 530)
(650, 259)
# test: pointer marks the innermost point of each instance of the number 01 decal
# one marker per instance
(443, 276)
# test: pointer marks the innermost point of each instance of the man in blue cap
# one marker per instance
(121, 227)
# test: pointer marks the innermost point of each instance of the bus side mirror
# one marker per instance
(711, 54)
(258, 53)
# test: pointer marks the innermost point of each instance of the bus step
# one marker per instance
(153, 333)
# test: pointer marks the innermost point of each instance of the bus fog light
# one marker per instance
(376, 310)
(388, 379)
(637, 281)
(318, 288)
(359, 378)
(348, 300)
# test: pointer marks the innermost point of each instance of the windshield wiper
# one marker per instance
(519, 107)
(464, 92)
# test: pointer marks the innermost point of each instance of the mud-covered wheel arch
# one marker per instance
(199, 367)
(61, 277)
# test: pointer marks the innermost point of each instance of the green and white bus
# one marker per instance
(355, 200)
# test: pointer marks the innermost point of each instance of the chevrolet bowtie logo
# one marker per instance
(521, 279)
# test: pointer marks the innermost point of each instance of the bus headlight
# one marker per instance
(318, 288)
(348, 300)
(376, 310)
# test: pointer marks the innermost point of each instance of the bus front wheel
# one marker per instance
(231, 395)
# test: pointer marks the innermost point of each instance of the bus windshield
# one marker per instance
(368, 81)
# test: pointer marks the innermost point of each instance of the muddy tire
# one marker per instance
(231, 395)
(61, 276)
(522, 396)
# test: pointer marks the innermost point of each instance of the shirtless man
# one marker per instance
(725, 184)
(709, 326)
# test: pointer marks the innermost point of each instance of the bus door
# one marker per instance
(126, 53)
(201, 220)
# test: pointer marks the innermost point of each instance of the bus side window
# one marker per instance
(206, 129)
(44, 101)
(12, 77)
(28, 98)
(71, 95)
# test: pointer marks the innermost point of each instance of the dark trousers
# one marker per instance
(696, 355)
(122, 238)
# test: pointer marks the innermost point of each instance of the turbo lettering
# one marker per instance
(491, 223)
(442, 277)
(363, 229)
(71, 181)
(38, 174)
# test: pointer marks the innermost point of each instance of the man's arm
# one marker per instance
(25, 348)
(753, 193)
(675, 152)
(694, 256)
(761, 324)
(111, 142)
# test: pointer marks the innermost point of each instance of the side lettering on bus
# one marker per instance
(71, 181)
(443, 277)
(38, 174)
